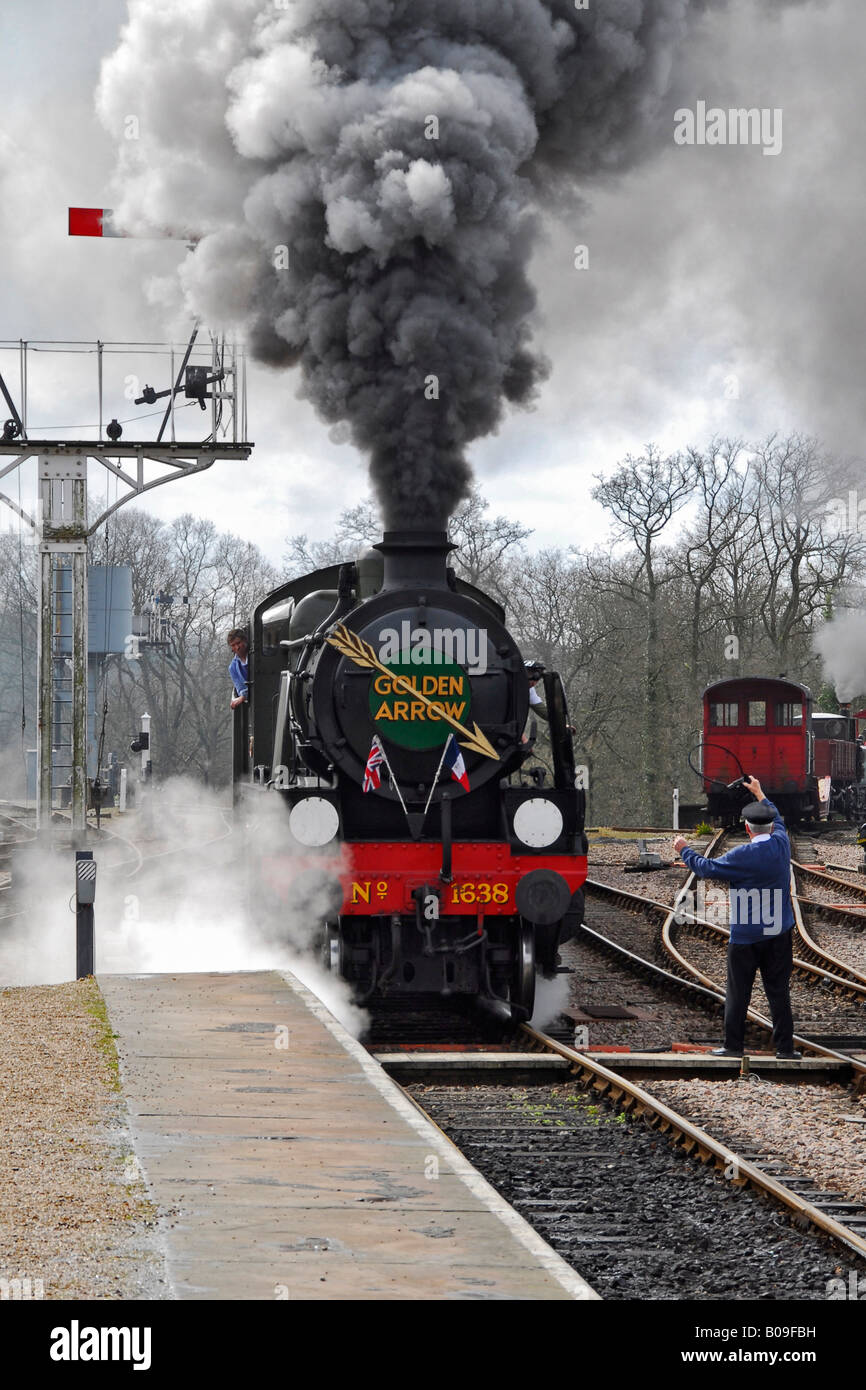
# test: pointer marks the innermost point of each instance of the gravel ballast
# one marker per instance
(820, 1130)
(634, 1215)
(75, 1219)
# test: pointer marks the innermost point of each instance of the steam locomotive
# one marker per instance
(387, 711)
(810, 764)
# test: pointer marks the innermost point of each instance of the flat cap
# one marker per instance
(758, 813)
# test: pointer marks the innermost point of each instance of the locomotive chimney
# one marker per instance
(415, 559)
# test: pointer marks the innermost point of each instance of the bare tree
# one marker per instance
(720, 542)
(483, 543)
(215, 580)
(357, 528)
(805, 557)
(720, 538)
(644, 495)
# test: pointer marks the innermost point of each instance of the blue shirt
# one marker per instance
(239, 672)
(760, 877)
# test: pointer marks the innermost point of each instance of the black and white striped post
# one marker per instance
(85, 894)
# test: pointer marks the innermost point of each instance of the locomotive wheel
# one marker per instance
(523, 971)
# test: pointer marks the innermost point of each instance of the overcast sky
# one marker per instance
(724, 294)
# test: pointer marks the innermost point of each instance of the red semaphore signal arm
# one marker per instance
(100, 222)
(91, 222)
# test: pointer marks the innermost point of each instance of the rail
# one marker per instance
(695, 1141)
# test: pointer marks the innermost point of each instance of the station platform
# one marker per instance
(286, 1164)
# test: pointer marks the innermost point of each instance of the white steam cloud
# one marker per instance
(551, 997)
(12, 771)
(841, 644)
(365, 178)
(173, 896)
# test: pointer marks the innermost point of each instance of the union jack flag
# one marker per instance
(372, 775)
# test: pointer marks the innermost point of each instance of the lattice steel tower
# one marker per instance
(64, 523)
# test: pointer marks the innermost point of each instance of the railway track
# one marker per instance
(18, 817)
(828, 965)
(16, 832)
(658, 975)
(814, 965)
(841, 887)
(831, 1212)
(656, 830)
(829, 887)
(681, 972)
(433, 1023)
(834, 915)
(635, 1218)
(785, 1187)
(136, 858)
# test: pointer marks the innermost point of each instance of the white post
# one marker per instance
(121, 801)
(143, 799)
(145, 752)
(676, 808)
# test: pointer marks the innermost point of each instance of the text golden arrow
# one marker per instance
(351, 645)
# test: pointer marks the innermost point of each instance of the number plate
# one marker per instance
(476, 894)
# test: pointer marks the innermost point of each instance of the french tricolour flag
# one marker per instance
(454, 762)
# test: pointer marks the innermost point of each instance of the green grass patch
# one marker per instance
(94, 1004)
(571, 1103)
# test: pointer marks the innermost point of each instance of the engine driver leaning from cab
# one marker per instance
(239, 669)
(761, 917)
(534, 672)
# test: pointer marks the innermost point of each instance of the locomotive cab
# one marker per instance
(387, 710)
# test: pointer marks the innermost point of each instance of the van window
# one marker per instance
(724, 716)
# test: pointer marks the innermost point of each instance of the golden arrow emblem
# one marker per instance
(351, 645)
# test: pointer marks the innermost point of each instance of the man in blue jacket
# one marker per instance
(761, 917)
(239, 665)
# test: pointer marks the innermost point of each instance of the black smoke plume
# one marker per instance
(366, 177)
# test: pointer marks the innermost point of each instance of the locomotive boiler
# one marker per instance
(387, 712)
